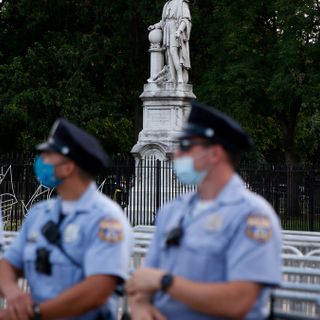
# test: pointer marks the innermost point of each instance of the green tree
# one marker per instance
(85, 60)
(262, 66)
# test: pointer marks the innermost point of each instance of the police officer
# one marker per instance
(216, 252)
(74, 249)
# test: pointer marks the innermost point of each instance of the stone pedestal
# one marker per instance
(166, 106)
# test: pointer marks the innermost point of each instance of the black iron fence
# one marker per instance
(293, 191)
(142, 188)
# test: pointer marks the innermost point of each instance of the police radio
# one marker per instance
(43, 264)
(174, 237)
(51, 232)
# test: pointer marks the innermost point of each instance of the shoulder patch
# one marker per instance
(110, 230)
(258, 227)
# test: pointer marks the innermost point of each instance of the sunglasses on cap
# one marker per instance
(187, 144)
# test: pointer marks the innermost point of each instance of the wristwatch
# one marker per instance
(36, 312)
(166, 282)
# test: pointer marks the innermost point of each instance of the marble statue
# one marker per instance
(176, 27)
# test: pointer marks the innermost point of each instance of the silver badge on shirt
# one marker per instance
(71, 233)
(213, 222)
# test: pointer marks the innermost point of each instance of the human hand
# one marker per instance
(178, 33)
(4, 315)
(146, 312)
(144, 279)
(19, 304)
(143, 310)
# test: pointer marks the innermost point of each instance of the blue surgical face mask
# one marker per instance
(45, 173)
(185, 171)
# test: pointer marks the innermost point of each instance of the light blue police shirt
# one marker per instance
(97, 236)
(237, 238)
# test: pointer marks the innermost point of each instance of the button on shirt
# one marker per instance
(81, 239)
(238, 237)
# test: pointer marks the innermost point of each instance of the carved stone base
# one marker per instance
(166, 106)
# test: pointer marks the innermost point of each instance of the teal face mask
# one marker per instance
(45, 173)
(185, 171)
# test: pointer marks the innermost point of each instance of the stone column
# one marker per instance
(156, 53)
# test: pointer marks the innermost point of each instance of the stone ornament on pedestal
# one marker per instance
(156, 55)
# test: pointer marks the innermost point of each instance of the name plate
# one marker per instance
(158, 118)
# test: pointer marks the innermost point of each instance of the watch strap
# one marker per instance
(166, 282)
(36, 312)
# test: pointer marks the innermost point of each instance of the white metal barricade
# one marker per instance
(307, 243)
(142, 236)
(299, 292)
(295, 305)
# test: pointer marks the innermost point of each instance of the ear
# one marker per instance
(216, 153)
(69, 168)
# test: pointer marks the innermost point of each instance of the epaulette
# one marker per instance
(44, 205)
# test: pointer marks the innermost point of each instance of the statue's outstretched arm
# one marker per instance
(155, 26)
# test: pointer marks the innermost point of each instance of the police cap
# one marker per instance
(76, 144)
(217, 127)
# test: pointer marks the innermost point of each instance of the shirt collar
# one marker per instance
(84, 203)
(232, 191)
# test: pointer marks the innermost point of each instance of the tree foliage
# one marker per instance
(262, 66)
(87, 60)
(84, 60)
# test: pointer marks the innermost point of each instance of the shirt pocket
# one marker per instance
(39, 283)
(70, 251)
(202, 258)
(65, 272)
